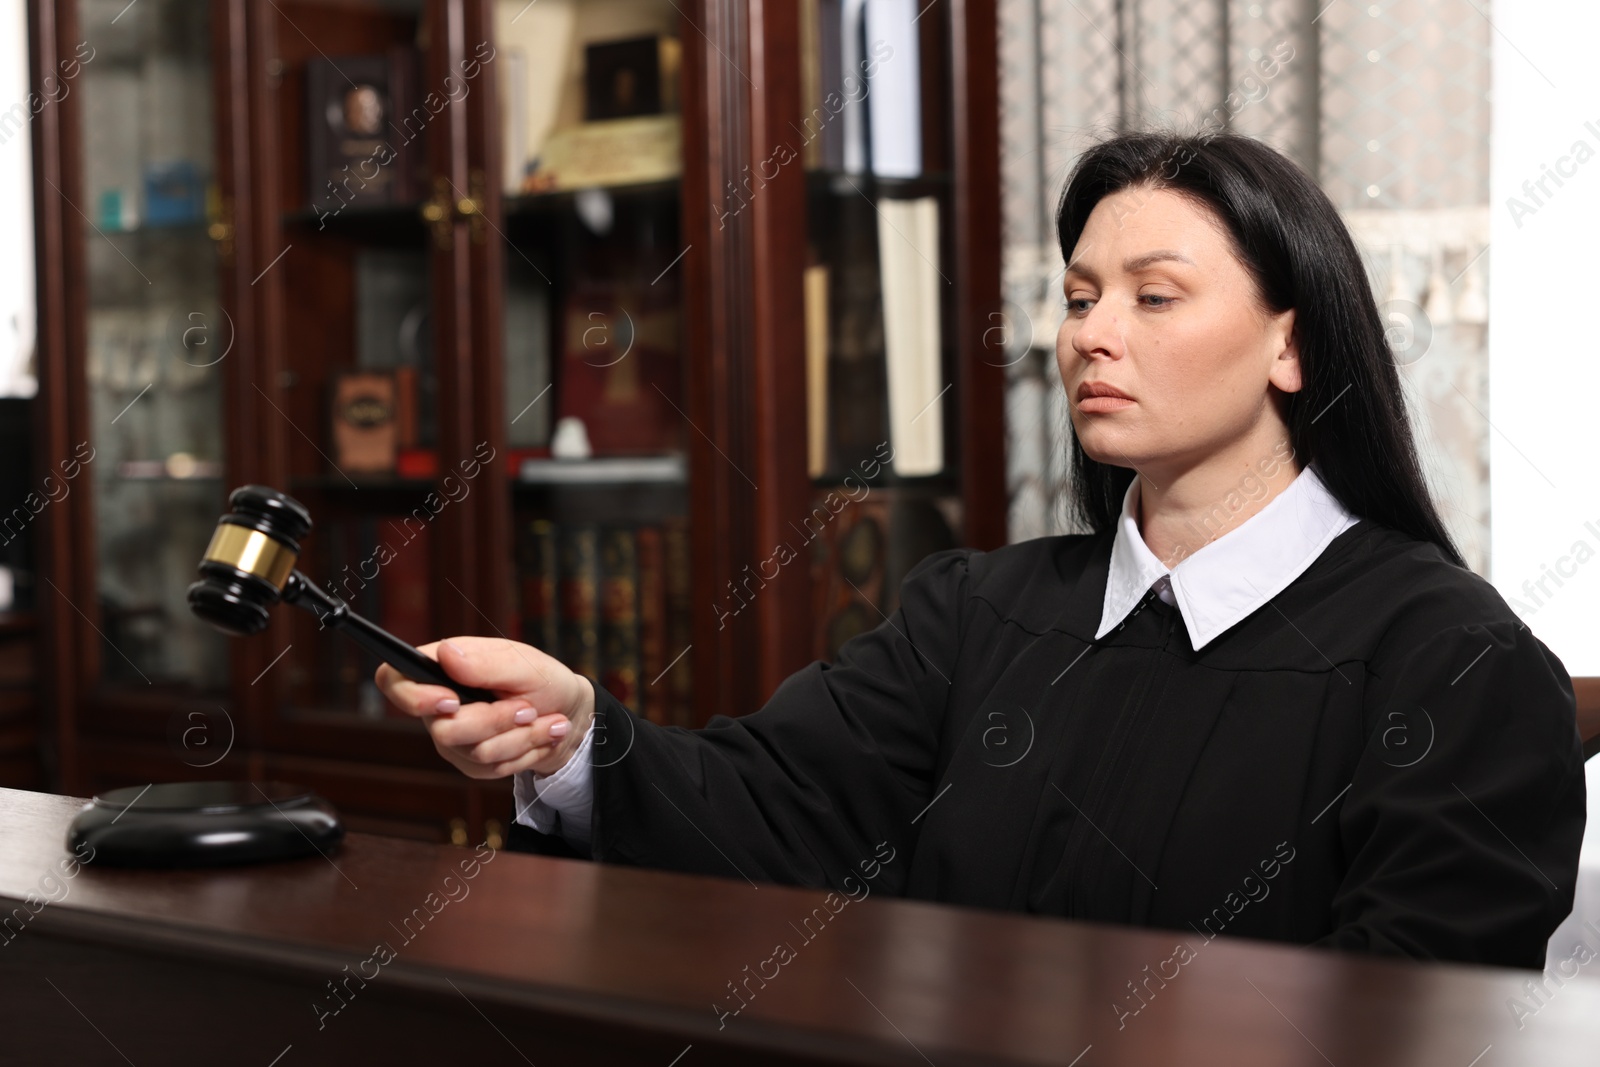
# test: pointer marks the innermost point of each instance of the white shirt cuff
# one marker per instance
(561, 802)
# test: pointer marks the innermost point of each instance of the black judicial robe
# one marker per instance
(1383, 758)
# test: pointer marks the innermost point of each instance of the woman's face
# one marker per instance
(1159, 308)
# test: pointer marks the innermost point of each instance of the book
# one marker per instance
(812, 111)
(365, 430)
(908, 257)
(679, 628)
(579, 590)
(514, 107)
(816, 315)
(538, 570)
(852, 88)
(860, 559)
(357, 149)
(857, 383)
(406, 416)
(174, 193)
(619, 616)
(894, 89)
(824, 114)
(651, 554)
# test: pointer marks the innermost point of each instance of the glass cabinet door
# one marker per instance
(594, 359)
(157, 337)
(356, 106)
(881, 359)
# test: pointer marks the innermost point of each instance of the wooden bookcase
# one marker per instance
(133, 692)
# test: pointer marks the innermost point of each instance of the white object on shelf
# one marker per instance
(571, 439)
(608, 470)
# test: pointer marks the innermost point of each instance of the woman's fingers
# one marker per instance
(420, 699)
(514, 743)
(483, 736)
(476, 723)
(530, 762)
(506, 667)
(414, 698)
(501, 665)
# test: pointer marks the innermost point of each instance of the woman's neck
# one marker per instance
(1195, 508)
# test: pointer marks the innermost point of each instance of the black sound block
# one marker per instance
(204, 824)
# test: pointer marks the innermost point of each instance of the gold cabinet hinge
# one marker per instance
(436, 212)
(472, 207)
(442, 209)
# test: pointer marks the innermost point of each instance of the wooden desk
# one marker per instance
(557, 962)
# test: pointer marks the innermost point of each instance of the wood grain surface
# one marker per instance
(551, 961)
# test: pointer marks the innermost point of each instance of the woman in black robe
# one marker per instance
(1308, 722)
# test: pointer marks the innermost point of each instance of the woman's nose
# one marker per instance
(1097, 333)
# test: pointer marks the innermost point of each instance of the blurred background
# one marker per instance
(668, 336)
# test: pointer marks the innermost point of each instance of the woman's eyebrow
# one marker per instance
(1137, 263)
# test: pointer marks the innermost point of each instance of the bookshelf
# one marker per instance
(404, 349)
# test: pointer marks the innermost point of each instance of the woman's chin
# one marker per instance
(1105, 445)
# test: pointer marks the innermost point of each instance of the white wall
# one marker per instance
(16, 204)
(1544, 323)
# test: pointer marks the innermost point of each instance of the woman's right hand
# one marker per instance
(540, 718)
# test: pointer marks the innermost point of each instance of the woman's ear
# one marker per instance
(1285, 371)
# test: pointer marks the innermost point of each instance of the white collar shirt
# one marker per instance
(1229, 578)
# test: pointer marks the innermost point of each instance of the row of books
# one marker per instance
(611, 601)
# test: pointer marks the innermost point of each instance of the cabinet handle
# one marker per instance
(458, 831)
(493, 836)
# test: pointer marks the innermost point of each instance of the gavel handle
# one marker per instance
(335, 613)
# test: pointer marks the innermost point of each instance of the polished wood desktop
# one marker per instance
(502, 958)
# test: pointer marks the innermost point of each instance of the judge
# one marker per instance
(1262, 697)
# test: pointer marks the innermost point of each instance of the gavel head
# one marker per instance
(249, 560)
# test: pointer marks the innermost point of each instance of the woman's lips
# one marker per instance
(1099, 404)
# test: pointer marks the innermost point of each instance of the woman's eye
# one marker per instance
(1073, 305)
(1156, 296)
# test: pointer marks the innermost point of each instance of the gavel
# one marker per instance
(250, 566)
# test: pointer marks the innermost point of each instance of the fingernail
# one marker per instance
(447, 706)
(523, 716)
(457, 649)
(560, 729)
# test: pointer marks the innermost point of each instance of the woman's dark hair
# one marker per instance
(1349, 417)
